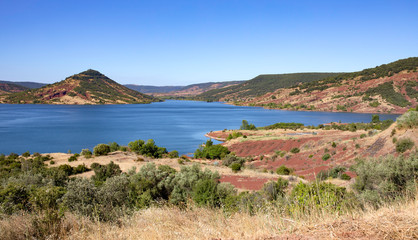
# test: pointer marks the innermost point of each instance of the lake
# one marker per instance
(176, 125)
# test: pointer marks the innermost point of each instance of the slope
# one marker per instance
(6, 88)
(389, 88)
(88, 87)
(260, 85)
(30, 85)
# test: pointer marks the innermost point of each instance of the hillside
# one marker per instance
(6, 88)
(196, 89)
(88, 87)
(389, 88)
(260, 85)
(30, 85)
(153, 89)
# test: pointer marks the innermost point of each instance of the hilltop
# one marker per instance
(260, 85)
(6, 87)
(88, 87)
(389, 88)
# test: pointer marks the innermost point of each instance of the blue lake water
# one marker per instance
(176, 125)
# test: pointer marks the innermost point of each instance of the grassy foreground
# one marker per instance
(395, 221)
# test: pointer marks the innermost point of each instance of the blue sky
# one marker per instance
(182, 42)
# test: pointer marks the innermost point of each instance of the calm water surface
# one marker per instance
(176, 125)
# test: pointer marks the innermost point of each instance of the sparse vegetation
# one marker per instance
(404, 144)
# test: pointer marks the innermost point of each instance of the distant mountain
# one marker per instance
(260, 85)
(88, 87)
(6, 87)
(153, 89)
(30, 85)
(195, 89)
(389, 88)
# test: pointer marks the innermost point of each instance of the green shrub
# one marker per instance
(236, 167)
(26, 154)
(246, 126)
(408, 120)
(234, 135)
(72, 158)
(103, 172)
(335, 172)
(180, 161)
(273, 190)
(101, 149)
(363, 135)
(205, 193)
(334, 145)
(211, 151)
(295, 150)
(173, 154)
(86, 153)
(394, 139)
(113, 146)
(326, 156)
(52, 162)
(310, 156)
(404, 144)
(345, 176)
(283, 170)
(357, 146)
(230, 159)
(386, 178)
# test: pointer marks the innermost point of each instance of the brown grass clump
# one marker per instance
(398, 221)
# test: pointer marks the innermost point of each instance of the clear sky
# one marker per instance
(182, 42)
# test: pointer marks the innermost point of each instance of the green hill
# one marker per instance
(7, 87)
(88, 87)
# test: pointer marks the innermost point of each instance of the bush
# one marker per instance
(173, 154)
(211, 151)
(283, 170)
(335, 172)
(26, 154)
(387, 178)
(246, 126)
(273, 190)
(101, 149)
(408, 120)
(344, 176)
(295, 150)
(81, 197)
(113, 147)
(236, 167)
(103, 172)
(404, 144)
(72, 158)
(205, 193)
(363, 135)
(230, 159)
(334, 145)
(326, 156)
(86, 153)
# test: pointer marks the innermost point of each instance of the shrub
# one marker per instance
(335, 172)
(394, 139)
(246, 126)
(86, 153)
(408, 120)
(205, 193)
(326, 156)
(404, 144)
(393, 132)
(173, 154)
(103, 172)
(81, 197)
(52, 162)
(310, 156)
(283, 170)
(386, 178)
(101, 149)
(72, 158)
(295, 150)
(334, 145)
(363, 135)
(357, 146)
(344, 176)
(26, 154)
(180, 161)
(236, 167)
(234, 135)
(230, 159)
(273, 190)
(113, 146)
(211, 151)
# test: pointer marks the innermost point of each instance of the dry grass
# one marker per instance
(398, 221)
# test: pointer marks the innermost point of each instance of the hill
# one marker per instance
(88, 87)
(30, 85)
(389, 88)
(194, 89)
(6, 88)
(153, 89)
(260, 85)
